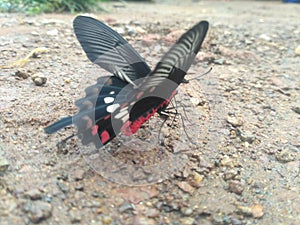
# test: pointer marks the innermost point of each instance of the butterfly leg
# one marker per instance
(167, 112)
(184, 129)
(63, 142)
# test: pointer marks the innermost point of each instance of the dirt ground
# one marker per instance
(241, 143)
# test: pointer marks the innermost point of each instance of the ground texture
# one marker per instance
(240, 142)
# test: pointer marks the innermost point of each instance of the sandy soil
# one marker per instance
(236, 158)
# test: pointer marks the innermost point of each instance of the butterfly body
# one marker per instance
(125, 101)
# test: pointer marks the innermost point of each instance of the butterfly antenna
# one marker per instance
(197, 77)
(63, 142)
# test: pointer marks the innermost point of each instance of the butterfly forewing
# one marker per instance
(109, 50)
(176, 62)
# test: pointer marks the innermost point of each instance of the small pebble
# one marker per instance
(93, 204)
(230, 174)
(187, 211)
(34, 33)
(246, 136)
(152, 213)
(264, 37)
(64, 188)
(62, 176)
(38, 211)
(286, 155)
(235, 121)
(195, 101)
(217, 218)
(53, 32)
(236, 221)
(75, 215)
(79, 187)
(67, 80)
(187, 221)
(126, 206)
(22, 74)
(255, 211)
(34, 194)
(227, 161)
(220, 61)
(106, 220)
(186, 187)
(130, 30)
(4, 164)
(79, 195)
(39, 79)
(141, 220)
(120, 30)
(78, 174)
(140, 30)
(248, 42)
(236, 187)
(197, 179)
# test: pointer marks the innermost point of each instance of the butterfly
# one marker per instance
(122, 102)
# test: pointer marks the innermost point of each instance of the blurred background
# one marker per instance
(58, 6)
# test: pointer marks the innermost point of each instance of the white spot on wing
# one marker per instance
(121, 114)
(108, 100)
(112, 108)
(112, 92)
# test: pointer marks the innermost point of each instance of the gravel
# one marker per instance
(236, 161)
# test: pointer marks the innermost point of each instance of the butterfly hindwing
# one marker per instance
(94, 119)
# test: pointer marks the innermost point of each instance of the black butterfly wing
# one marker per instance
(105, 47)
(108, 49)
(177, 61)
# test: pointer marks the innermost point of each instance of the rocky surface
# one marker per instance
(241, 144)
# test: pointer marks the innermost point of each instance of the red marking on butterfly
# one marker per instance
(130, 128)
(140, 94)
(124, 105)
(152, 89)
(89, 123)
(95, 130)
(104, 136)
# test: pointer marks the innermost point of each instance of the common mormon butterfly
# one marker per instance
(124, 101)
